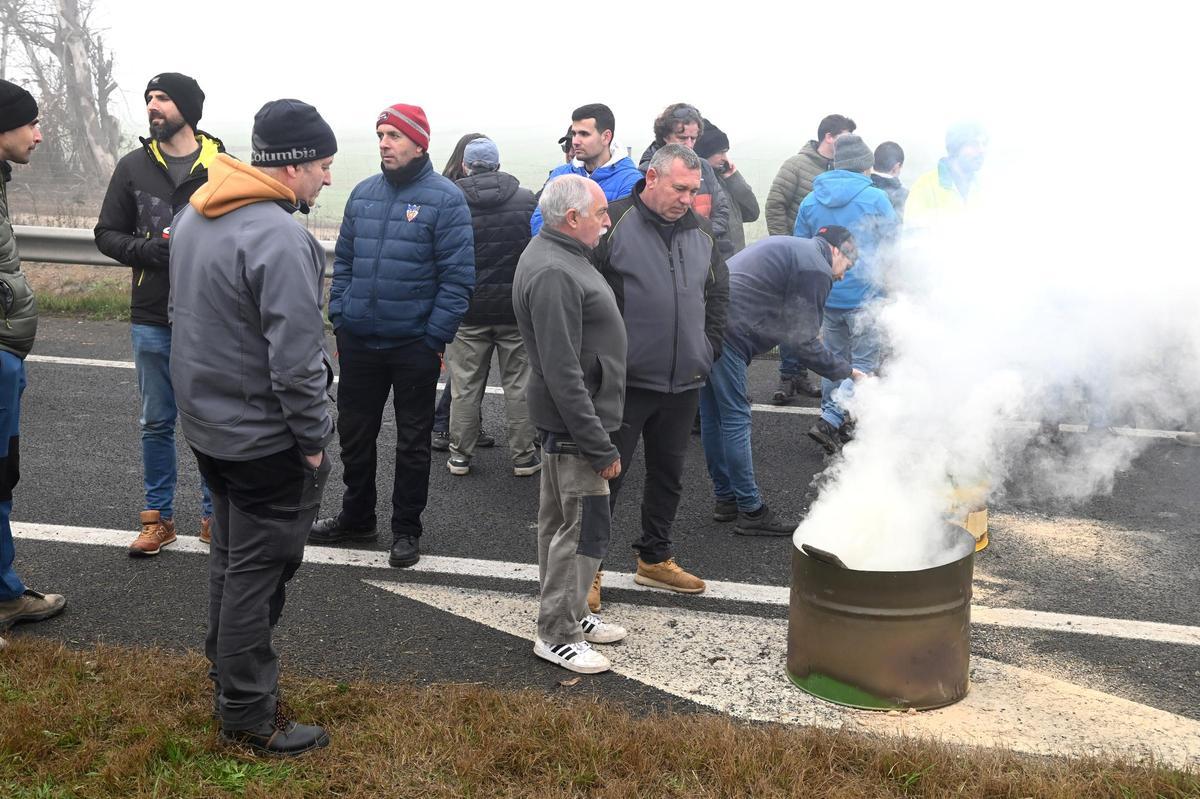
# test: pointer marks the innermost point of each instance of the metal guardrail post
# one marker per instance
(64, 245)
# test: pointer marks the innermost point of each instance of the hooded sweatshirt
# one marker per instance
(849, 199)
(616, 178)
(248, 362)
(500, 212)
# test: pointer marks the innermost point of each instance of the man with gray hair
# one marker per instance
(662, 261)
(572, 328)
(500, 214)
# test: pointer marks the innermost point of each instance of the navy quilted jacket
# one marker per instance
(404, 265)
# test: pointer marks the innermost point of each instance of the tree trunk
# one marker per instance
(86, 129)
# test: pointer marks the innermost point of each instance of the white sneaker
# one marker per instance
(596, 631)
(578, 657)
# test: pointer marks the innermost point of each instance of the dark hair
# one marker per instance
(835, 124)
(888, 156)
(454, 169)
(599, 112)
(674, 115)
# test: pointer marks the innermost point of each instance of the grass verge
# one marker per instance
(114, 722)
(87, 292)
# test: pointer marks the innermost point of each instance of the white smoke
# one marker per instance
(1069, 292)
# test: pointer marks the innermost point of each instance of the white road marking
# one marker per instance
(736, 664)
(792, 409)
(718, 590)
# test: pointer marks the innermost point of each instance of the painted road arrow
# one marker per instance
(735, 664)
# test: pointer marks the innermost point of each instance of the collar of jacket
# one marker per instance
(407, 173)
(565, 241)
(210, 147)
(685, 222)
(6, 169)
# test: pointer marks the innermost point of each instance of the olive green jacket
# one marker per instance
(18, 308)
(791, 185)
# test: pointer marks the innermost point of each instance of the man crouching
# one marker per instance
(250, 374)
(575, 338)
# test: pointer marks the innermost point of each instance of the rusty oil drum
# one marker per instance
(882, 640)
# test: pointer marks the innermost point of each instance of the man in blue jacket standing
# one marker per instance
(403, 273)
(844, 196)
(596, 156)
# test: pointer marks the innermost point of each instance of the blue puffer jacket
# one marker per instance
(404, 265)
(616, 178)
(849, 199)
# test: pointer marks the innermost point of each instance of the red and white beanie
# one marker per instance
(409, 120)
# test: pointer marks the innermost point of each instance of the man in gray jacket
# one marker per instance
(672, 286)
(250, 373)
(572, 328)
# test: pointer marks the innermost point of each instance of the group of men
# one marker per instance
(615, 313)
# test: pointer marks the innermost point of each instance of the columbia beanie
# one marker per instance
(409, 120)
(183, 91)
(290, 132)
(17, 107)
(851, 153)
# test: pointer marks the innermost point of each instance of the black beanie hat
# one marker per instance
(183, 91)
(17, 107)
(836, 236)
(290, 132)
(712, 141)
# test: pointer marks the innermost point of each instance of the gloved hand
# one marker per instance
(158, 251)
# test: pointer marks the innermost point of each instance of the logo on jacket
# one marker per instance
(412, 212)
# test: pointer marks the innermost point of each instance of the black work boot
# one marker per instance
(725, 510)
(279, 737)
(784, 391)
(763, 522)
(404, 551)
(808, 383)
(826, 435)
(331, 532)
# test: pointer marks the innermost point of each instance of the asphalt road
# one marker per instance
(1132, 555)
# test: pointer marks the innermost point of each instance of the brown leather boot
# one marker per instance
(206, 530)
(157, 533)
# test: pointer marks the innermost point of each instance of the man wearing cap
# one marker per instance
(251, 378)
(777, 292)
(148, 187)
(845, 197)
(500, 212)
(404, 269)
(713, 146)
(592, 153)
(19, 137)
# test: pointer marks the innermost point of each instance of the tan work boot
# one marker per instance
(594, 593)
(156, 533)
(206, 530)
(669, 576)
(30, 606)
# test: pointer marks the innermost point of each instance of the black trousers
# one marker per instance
(410, 374)
(263, 510)
(664, 423)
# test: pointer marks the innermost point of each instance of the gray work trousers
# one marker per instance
(262, 513)
(574, 525)
(468, 359)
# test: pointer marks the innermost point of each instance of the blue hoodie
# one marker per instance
(849, 199)
(616, 178)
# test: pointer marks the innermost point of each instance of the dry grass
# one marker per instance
(111, 722)
(91, 292)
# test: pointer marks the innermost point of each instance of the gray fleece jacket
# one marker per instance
(248, 360)
(575, 339)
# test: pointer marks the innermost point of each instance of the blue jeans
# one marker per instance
(152, 359)
(725, 432)
(12, 383)
(849, 333)
(789, 363)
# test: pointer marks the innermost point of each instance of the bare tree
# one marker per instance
(65, 57)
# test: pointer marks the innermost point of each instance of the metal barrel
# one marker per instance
(882, 640)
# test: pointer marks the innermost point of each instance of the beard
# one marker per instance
(166, 130)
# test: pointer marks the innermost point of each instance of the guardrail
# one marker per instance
(68, 245)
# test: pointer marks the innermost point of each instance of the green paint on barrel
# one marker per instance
(841, 693)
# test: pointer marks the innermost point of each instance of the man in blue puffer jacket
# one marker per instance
(403, 273)
(845, 196)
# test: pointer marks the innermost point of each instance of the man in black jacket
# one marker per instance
(500, 213)
(672, 286)
(147, 188)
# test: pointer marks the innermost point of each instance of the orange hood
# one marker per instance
(232, 185)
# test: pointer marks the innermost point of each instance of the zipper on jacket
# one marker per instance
(675, 326)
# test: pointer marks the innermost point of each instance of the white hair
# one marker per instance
(562, 194)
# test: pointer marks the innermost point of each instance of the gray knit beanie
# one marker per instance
(851, 153)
